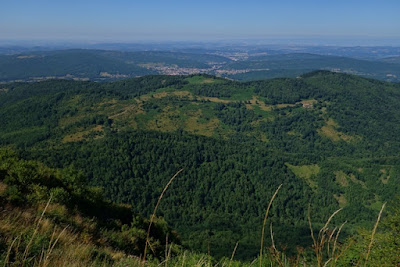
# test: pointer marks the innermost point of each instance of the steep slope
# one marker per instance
(51, 217)
(332, 140)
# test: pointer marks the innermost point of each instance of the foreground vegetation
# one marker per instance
(43, 209)
(77, 227)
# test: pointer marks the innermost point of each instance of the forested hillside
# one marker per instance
(332, 140)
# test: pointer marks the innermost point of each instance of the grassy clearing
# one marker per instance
(341, 199)
(196, 124)
(126, 111)
(208, 81)
(376, 205)
(214, 99)
(306, 172)
(243, 96)
(284, 105)
(309, 102)
(66, 121)
(341, 178)
(168, 120)
(256, 102)
(385, 175)
(330, 131)
(203, 80)
(97, 131)
(180, 94)
(356, 181)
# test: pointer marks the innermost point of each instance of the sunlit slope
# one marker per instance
(331, 139)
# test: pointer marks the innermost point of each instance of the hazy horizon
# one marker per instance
(304, 41)
(311, 22)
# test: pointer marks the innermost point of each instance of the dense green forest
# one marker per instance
(331, 139)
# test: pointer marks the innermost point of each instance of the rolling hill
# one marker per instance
(97, 65)
(331, 139)
(68, 64)
(295, 64)
(395, 60)
(106, 65)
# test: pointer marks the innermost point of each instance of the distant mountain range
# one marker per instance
(290, 65)
(395, 60)
(106, 65)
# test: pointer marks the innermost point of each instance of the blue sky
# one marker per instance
(122, 20)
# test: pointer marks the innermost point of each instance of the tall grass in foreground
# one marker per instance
(373, 234)
(325, 246)
(154, 214)
(265, 221)
(58, 252)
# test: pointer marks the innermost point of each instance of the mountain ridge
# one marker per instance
(106, 65)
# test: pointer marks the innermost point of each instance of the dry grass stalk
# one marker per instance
(166, 250)
(274, 251)
(300, 251)
(42, 254)
(184, 257)
(342, 251)
(233, 253)
(330, 236)
(202, 261)
(28, 247)
(272, 238)
(169, 252)
(310, 225)
(265, 221)
(9, 252)
(51, 247)
(328, 261)
(154, 214)
(335, 244)
(324, 238)
(373, 234)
